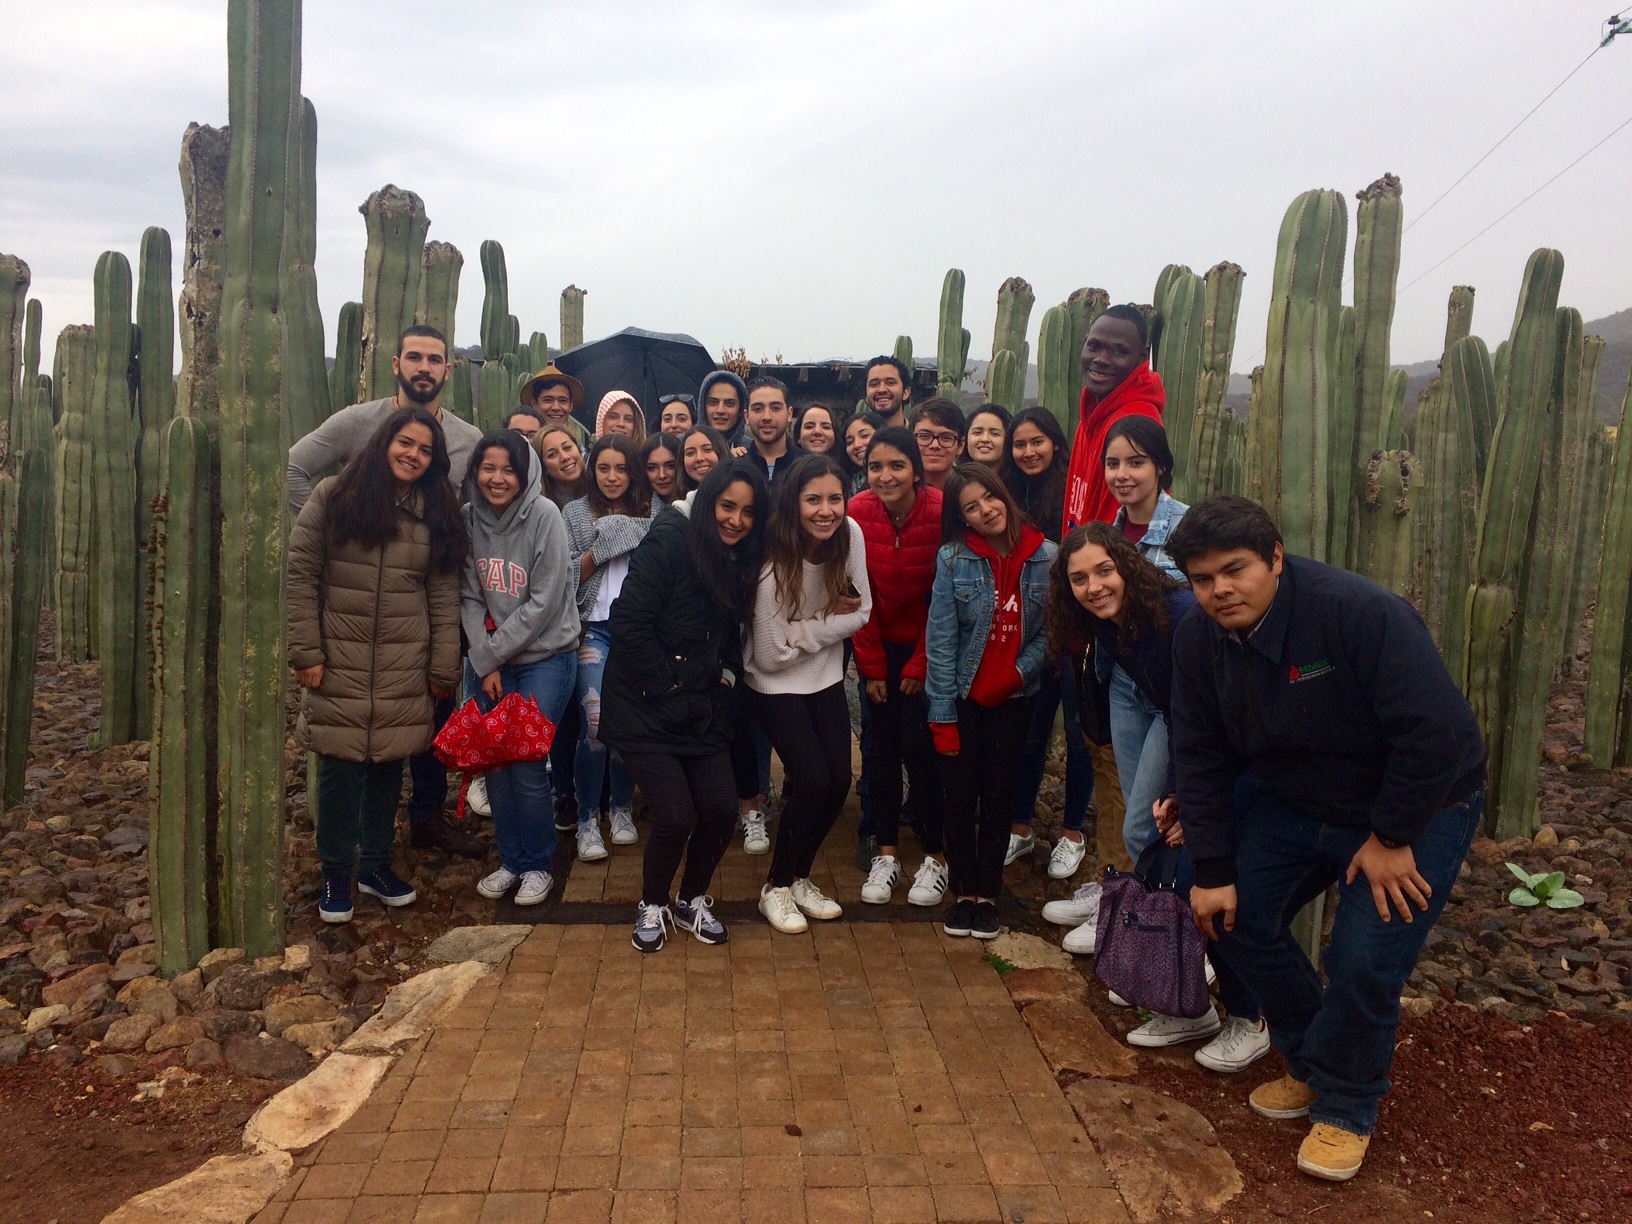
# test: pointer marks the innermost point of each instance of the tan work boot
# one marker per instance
(1282, 1098)
(1332, 1153)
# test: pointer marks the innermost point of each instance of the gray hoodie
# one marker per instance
(520, 573)
(739, 432)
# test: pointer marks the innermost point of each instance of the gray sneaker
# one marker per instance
(866, 852)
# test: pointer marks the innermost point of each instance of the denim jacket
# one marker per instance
(960, 618)
(1169, 510)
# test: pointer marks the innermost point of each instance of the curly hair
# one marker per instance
(637, 498)
(785, 543)
(1144, 593)
(363, 506)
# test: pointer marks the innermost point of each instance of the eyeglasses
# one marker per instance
(941, 441)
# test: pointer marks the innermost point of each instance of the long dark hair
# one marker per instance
(1144, 593)
(561, 494)
(855, 474)
(785, 550)
(514, 445)
(637, 498)
(1042, 496)
(722, 453)
(1148, 438)
(363, 507)
(729, 575)
(662, 441)
(953, 529)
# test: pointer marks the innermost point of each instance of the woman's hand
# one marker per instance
(845, 605)
(493, 685)
(586, 567)
(911, 687)
(878, 691)
(1166, 812)
(737, 452)
(309, 677)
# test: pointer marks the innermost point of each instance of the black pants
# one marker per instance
(744, 759)
(356, 814)
(430, 793)
(980, 793)
(811, 733)
(694, 813)
(898, 734)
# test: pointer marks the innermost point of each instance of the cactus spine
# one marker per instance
(345, 379)
(439, 288)
(156, 404)
(951, 339)
(1389, 492)
(76, 514)
(263, 74)
(1006, 380)
(572, 317)
(1184, 326)
(396, 224)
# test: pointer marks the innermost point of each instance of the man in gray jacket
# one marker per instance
(421, 367)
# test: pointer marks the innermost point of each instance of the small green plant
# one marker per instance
(1543, 888)
(1003, 967)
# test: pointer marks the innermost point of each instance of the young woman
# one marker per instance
(900, 521)
(603, 529)
(986, 649)
(563, 460)
(620, 414)
(374, 566)
(939, 427)
(858, 432)
(816, 429)
(988, 438)
(1035, 472)
(813, 594)
(1102, 591)
(677, 632)
(701, 449)
(521, 624)
(660, 455)
(674, 414)
(1139, 473)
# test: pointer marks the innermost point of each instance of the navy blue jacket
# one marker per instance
(1337, 702)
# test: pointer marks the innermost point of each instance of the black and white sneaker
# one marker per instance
(958, 918)
(983, 922)
(651, 927)
(695, 916)
(388, 886)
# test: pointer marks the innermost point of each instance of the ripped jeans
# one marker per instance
(590, 765)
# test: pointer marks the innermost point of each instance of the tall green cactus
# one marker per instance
(1595, 490)
(1392, 428)
(15, 410)
(76, 479)
(32, 445)
(392, 265)
(1292, 434)
(1343, 530)
(1002, 376)
(457, 398)
(903, 353)
(439, 288)
(1054, 362)
(495, 301)
(572, 317)
(179, 770)
(1448, 515)
(512, 337)
(204, 154)
(1084, 306)
(345, 378)
(1390, 488)
(305, 372)
(155, 405)
(1205, 446)
(1006, 380)
(538, 352)
(113, 450)
(1184, 327)
(1158, 319)
(951, 339)
(263, 80)
(494, 396)
(1378, 225)
(1607, 663)
(1507, 501)
(1575, 468)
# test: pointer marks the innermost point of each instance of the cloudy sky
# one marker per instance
(796, 177)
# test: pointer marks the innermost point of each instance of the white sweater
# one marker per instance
(806, 655)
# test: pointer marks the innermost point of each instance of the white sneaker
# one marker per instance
(476, 796)
(1079, 940)
(1161, 1031)
(929, 883)
(590, 846)
(623, 827)
(1238, 1045)
(535, 887)
(496, 885)
(1211, 976)
(1116, 1000)
(1065, 858)
(780, 910)
(1082, 906)
(814, 903)
(755, 839)
(879, 888)
(1019, 846)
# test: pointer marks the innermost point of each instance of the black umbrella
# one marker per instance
(645, 364)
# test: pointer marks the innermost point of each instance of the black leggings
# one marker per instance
(694, 813)
(811, 733)
(980, 793)
(897, 734)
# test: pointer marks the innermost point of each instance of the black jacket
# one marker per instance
(753, 456)
(671, 646)
(1337, 702)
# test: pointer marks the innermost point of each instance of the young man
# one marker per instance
(525, 421)
(555, 395)
(769, 419)
(940, 430)
(887, 387)
(722, 396)
(1317, 739)
(421, 367)
(1117, 381)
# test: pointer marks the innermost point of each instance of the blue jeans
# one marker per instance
(1340, 1040)
(1139, 739)
(430, 776)
(1079, 762)
(594, 758)
(523, 813)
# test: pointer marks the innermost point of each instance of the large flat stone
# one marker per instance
(413, 1007)
(304, 1112)
(1035, 985)
(488, 944)
(1072, 1039)
(224, 1190)
(1028, 951)
(1163, 1156)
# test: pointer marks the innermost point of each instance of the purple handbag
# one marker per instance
(1147, 947)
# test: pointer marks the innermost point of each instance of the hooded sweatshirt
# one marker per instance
(1087, 497)
(619, 397)
(736, 435)
(519, 580)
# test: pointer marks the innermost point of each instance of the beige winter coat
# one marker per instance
(384, 627)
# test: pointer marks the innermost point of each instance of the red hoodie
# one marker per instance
(1087, 497)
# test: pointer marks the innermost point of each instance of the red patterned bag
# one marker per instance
(513, 730)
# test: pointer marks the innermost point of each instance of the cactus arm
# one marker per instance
(572, 317)
(1608, 661)
(952, 343)
(392, 262)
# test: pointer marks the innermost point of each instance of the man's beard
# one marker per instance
(418, 394)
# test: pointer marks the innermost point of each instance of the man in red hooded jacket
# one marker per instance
(1117, 381)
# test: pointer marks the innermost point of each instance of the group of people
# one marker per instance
(685, 601)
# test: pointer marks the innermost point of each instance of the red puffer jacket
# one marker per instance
(901, 569)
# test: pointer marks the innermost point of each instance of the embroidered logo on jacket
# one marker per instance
(497, 574)
(1309, 671)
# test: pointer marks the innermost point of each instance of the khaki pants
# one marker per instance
(1111, 809)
